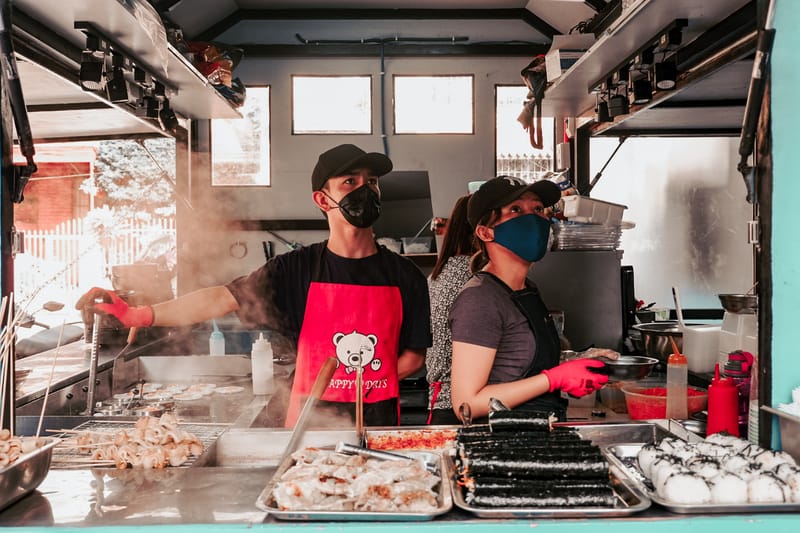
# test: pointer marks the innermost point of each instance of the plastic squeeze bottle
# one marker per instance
(677, 383)
(723, 400)
(261, 361)
(216, 341)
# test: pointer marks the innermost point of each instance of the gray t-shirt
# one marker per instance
(484, 314)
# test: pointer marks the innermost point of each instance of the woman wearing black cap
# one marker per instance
(505, 344)
(345, 297)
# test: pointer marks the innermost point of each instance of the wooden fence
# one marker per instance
(70, 256)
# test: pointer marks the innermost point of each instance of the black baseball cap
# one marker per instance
(503, 190)
(340, 159)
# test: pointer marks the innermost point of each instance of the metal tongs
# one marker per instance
(352, 449)
(361, 433)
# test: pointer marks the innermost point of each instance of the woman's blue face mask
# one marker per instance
(525, 235)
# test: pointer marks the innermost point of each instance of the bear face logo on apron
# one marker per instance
(357, 324)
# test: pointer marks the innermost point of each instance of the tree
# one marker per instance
(133, 184)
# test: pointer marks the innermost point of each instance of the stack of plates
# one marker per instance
(579, 236)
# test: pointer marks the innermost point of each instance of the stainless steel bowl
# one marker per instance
(627, 367)
(746, 304)
(655, 338)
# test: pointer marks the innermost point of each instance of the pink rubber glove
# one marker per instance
(115, 306)
(575, 378)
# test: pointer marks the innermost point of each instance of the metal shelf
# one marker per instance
(570, 96)
(195, 96)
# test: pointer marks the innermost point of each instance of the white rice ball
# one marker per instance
(704, 467)
(766, 488)
(711, 449)
(686, 488)
(790, 475)
(670, 444)
(770, 459)
(734, 463)
(647, 454)
(729, 441)
(728, 488)
(749, 471)
(663, 468)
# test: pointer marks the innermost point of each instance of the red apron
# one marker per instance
(357, 324)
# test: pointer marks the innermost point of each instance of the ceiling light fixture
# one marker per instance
(92, 65)
(642, 91)
(666, 75)
(117, 87)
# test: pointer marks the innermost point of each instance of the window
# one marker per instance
(514, 153)
(433, 104)
(331, 104)
(240, 154)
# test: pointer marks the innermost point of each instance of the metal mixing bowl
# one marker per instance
(739, 303)
(655, 338)
(627, 367)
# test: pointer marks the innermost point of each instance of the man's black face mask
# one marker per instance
(361, 208)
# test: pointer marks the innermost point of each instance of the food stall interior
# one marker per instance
(690, 220)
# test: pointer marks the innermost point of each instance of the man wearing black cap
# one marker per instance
(345, 297)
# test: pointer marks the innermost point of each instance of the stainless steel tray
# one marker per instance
(26, 473)
(265, 501)
(630, 500)
(624, 457)
(206, 432)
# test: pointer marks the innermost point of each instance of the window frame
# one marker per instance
(294, 104)
(473, 110)
(268, 141)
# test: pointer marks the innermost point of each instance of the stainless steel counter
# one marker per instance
(222, 495)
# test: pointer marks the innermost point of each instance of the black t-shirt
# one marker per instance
(274, 297)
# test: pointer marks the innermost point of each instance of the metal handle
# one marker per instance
(362, 437)
(317, 390)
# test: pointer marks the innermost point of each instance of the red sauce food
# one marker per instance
(645, 404)
(417, 439)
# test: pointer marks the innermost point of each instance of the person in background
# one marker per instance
(345, 297)
(448, 276)
(505, 345)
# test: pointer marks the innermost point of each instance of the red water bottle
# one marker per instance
(723, 400)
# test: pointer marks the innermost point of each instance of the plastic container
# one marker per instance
(262, 366)
(701, 347)
(585, 209)
(646, 403)
(216, 341)
(677, 385)
(723, 411)
(417, 245)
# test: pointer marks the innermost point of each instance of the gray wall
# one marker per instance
(684, 195)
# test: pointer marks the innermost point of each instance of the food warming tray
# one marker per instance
(624, 457)
(265, 501)
(630, 500)
(26, 473)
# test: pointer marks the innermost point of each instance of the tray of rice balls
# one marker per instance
(520, 465)
(720, 474)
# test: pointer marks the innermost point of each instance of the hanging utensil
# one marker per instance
(317, 390)
(360, 433)
(678, 309)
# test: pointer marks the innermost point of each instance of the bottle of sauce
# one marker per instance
(737, 367)
(677, 384)
(216, 341)
(723, 399)
(262, 369)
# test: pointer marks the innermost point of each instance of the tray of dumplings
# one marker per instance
(720, 474)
